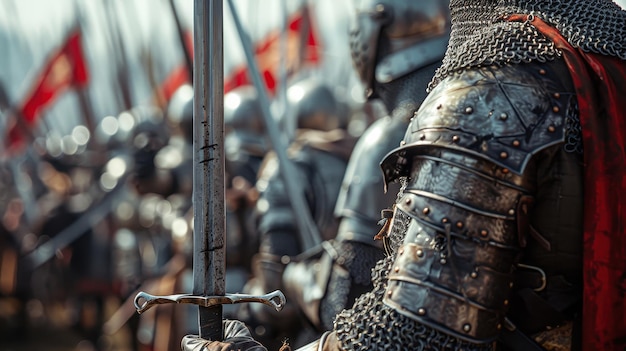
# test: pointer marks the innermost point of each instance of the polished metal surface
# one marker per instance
(144, 301)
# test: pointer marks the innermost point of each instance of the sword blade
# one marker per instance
(208, 173)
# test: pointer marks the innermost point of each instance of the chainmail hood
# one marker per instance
(481, 36)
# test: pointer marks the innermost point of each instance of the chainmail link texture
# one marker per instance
(371, 325)
(481, 36)
(357, 259)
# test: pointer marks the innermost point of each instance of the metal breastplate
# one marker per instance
(362, 196)
(320, 174)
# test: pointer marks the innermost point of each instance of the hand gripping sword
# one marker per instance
(208, 183)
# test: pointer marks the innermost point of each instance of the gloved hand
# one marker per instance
(237, 337)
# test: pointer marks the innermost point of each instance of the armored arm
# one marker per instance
(473, 161)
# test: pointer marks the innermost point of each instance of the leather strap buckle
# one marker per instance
(544, 280)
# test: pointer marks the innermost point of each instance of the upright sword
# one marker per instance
(208, 183)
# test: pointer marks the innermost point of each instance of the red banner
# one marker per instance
(66, 68)
(302, 48)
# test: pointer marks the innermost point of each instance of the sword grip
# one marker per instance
(210, 322)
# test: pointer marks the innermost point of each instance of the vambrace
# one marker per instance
(455, 268)
(470, 157)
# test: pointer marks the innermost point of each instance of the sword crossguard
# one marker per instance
(144, 301)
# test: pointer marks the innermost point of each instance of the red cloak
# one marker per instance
(600, 83)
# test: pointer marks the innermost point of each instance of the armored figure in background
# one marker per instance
(319, 151)
(344, 264)
(245, 147)
(497, 206)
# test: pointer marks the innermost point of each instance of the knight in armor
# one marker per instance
(245, 147)
(341, 269)
(319, 152)
(507, 231)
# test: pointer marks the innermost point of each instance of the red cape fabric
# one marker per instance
(600, 83)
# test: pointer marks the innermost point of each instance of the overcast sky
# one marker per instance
(31, 30)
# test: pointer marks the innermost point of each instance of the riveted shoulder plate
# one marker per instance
(502, 114)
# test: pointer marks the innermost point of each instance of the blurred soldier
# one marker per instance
(319, 151)
(245, 147)
(149, 136)
(81, 274)
(346, 261)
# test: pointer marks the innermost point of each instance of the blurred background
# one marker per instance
(95, 156)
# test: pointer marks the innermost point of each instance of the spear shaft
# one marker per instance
(308, 231)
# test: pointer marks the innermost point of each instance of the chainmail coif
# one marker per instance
(480, 35)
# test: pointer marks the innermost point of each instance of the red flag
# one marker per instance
(303, 48)
(66, 68)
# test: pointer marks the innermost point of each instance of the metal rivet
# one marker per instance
(408, 201)
(422, 136)
(456, 138)
(459, 224)
(506, 302)
(542, 71)
(503, 154)
(503, 116)
(467, 327)
(556, 95)
(499, 326)
(426, 210)
(474, 275)
(551, 129)
(511, 212)
(444, 220)
(443, 261)
(401, 251)
(469, 110)
(396, 269)
(421, 312)
(510, 284)
(419, 253)
(505, 170)
(484, 232)
(516, 143)
(556, 109)
(389, 293)
(402, 143)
